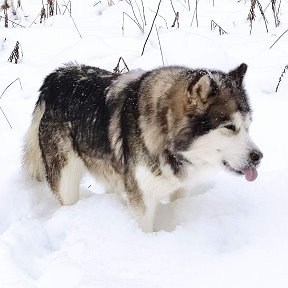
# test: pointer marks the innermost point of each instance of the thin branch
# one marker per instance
(143, 11)
(12, 84)
(14, 22)
(173, 7)
(195, 13)
(142, 20)
(67, 8)
(33, 22)
(6, 117)
(220, 29)
(151, 27)
(281, 76)
(278, 38)
(3, 94)
(75, 26)
(136, 19)
(160, 17)
(117, 70)
(263, 15)
(160, 45)
(176, 20)
(139, 26)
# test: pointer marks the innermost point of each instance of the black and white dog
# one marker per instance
(141, 133)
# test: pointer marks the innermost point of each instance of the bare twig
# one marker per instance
(117, 70)
(195, 14)
(157, 11)
(18, 79)
(13, 22)
(137, 23)
(281, 76)
(10, 85)
(6, 117)
(160, 45)
(15, 53)
(69, 8)
(143, 11)
(42, 14)
(33, 22)
(173, 7)
(275, 14)
(278, 38)
(75, 26)
(160, 17)
(263, 15)
(176, 20)
(220, 29)
(135, 17)
(252, 15)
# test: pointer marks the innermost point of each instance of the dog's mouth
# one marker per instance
(249, 172)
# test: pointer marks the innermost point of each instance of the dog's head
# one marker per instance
(215, 126)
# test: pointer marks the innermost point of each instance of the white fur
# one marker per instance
(222, 144)
(32, 157)
(70, 178)
(154, 188)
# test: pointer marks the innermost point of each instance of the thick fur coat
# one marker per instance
(142, 134)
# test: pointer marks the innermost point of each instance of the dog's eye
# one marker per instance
(230, 127)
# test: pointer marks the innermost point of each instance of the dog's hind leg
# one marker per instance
(63, 167)
(69, 181)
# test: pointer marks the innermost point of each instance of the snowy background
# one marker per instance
(233, 235)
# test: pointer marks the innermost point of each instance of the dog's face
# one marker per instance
(229, 146)
(218, 124)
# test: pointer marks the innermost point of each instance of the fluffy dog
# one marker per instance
(141, 133)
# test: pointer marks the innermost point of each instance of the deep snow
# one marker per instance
(233, 235)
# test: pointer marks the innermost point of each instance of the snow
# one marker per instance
(233, 235)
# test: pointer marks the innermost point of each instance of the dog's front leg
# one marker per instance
(148, 218)
(142, 205)
(143, 210)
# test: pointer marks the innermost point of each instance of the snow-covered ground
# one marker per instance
(234, 235)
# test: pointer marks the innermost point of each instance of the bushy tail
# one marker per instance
(32, 157)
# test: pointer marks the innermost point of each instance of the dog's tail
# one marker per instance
(32, 157)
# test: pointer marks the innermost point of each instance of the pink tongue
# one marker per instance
(250, 174)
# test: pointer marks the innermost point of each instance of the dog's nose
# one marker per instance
(256, 156)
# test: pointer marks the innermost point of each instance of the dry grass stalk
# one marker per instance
(281, 76)
(252, 15)
(137, 23)
(15, 55)
(278, 38)
(135, 19)
(160, 46)
(68, 7)
(50, 9)
(176, 20)
(18, 79)
(42, 14)
(214, 25)
(13, 23)
(161, 18)
(156, 14)
(117, 69)
(195, 14)
(275, 12)
(5, 6)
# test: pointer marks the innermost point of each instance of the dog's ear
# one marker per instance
(201, 90)
(238, 74)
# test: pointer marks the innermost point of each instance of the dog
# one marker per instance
(143, 134)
